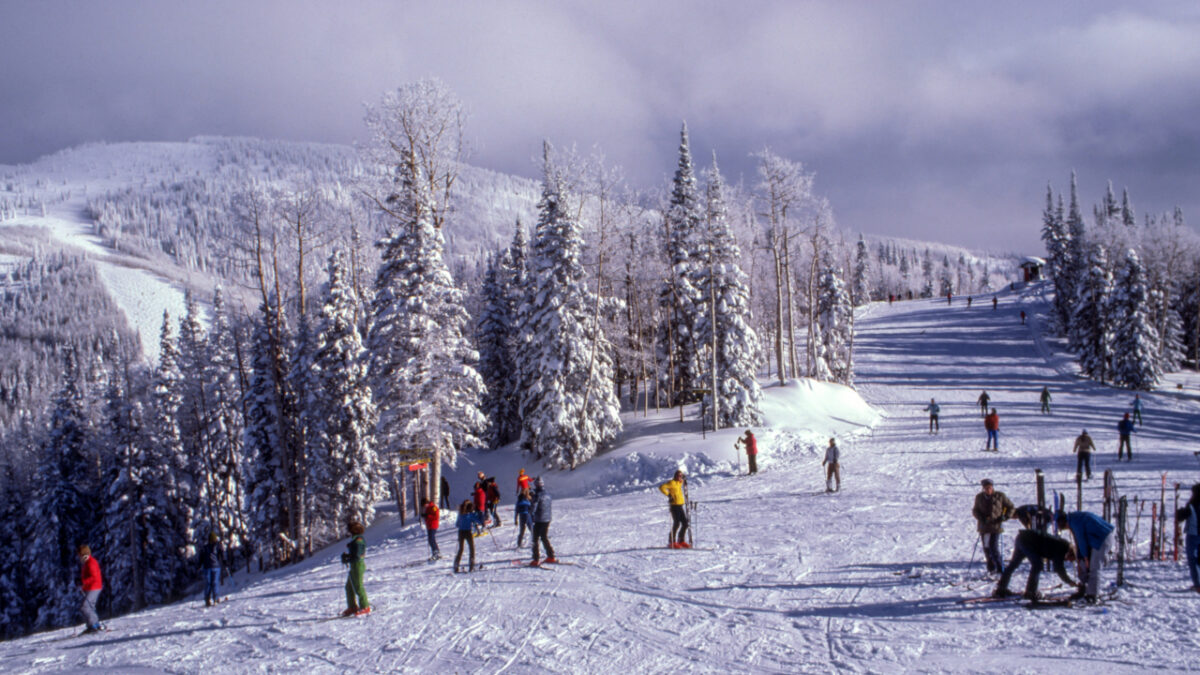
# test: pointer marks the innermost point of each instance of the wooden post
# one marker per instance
(1078, 491)
(1041, 488)
(403, 495)
(1122, 512)
(1178, 532)
(1153, 531)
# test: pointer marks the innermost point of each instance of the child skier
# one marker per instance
(210, 561)
(832, 470)
(355, 557)
(91, 583)
(433, 518)
(468, 519)
(673, 489)
(523, 517)
(541, 522)
(933, 409)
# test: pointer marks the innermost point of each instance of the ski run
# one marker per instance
(784, 577)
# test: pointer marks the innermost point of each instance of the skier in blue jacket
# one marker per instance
(1125, 429)
(1190, 516)
(524, 521)
(1093, 539)
(468, 520)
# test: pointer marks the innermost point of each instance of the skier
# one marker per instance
(468, 520)
(751, 445)
(949, 298)
(992, 424)
(1084, 447)
(479, 493)
(983, 401)
(1137, 409)
(1037, 546)
(1046, 400)
(210, 561)
(991, 509)
(1022, 317)
(523, 480)
(541, 522)
(522, 516)
(91, 583)
(355, 556)
(1093, 538)
(1125, 429)
(493, 501)
(933, 408)
(993, 303)
(969, 299)
(1190, 514)
(433, 519)
(445, 501)
(673, 489)
(832, 467)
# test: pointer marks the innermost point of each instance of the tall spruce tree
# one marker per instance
(222, 489)
(861, 289)
(1091, 324)
(267, 485)
(570, 410)
(1135, 354)
(494, 333)
(835, 321)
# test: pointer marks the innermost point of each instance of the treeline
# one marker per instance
(1127, 293)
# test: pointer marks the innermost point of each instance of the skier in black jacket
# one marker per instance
(1036, 546)
(210, 562)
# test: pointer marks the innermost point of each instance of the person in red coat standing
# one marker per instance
(751, 445)
(91, 582)
(992, 424)
(480, 496)
(433, 518)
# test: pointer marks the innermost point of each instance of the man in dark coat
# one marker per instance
(1037, 546)
(991, 509)
(541, 522)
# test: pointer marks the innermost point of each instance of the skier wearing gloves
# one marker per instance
(1126, 430)
(673, 489)
(991, 509)
(1036, 546)
(433, 518)
(541, 522)
(1093, 539)
(832, 467)
(523, 516)
(91, 583)
(983, 401)
(355, 556)
(1084, 447)
(468, 520)
(933, 409)
(1190, 514)
(992, 424)
(751, 445)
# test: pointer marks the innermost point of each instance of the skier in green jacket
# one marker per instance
(355, 557)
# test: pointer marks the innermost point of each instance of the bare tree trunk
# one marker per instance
(791, 322)
(779, 315)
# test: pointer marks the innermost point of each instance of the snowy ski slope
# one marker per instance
(785, 578)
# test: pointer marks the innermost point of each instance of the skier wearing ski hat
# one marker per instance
(541, 522)
(355, 557)
(91, 583)
(1037, 546)
(1093, 539)
(751, 445)
(991, 509)
(673, 489)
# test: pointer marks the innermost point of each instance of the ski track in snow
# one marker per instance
(786, 578)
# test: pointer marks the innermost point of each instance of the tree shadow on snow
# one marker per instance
(102, 640)
(884, 610)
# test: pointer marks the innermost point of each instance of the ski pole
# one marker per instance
(493, 538)
(974, 550)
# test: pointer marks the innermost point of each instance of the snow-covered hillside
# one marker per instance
(785, 578)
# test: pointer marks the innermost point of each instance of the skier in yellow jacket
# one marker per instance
(673, 489)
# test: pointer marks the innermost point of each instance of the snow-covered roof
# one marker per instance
(1032, 260)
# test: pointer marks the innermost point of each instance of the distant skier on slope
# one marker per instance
(832, 467)
(523, 516)
(991, 509)
(432, 516)
(673, 489)
(933, 409)
(91, 582)
(210, 564)
(445, 501)
(1190, 514)
(969, 300)
(983, 401)
(1036, 546)
(1125, 430)
(1094, 537)
(993, 303)
(1137, 409)
(1045, 398)
(751, 445)
(1083, 448)
(991, 423)
(355, 556)
(541, 522)
(468, 519)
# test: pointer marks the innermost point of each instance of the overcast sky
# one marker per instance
(932, 120)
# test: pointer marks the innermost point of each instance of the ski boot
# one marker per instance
(350, 611)
(364, 611)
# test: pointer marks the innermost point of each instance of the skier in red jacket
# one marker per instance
(91, 582)
(433, 518)
(992, 424)
(480, 496)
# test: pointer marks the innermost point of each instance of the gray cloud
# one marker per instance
(923, 119)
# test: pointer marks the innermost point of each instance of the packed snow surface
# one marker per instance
(784, 577)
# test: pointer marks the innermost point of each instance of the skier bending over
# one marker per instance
(991, 509)
(992, 424)
(1126, 430)
(1046, 400)
(355, 556)
(1037, 546)
(1084, 447)
(210, 560)
(933, 409)
(524, 522)
(1190, 514)
(541, 521)
(91, 583)
(433, 518)
(1093, 539)
(832, 467)
(983, 401)
(673, 489)
(468, 520)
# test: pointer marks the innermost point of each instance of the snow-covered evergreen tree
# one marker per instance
(1091, 324)
(835, 321)
(570, 410)
(1135, 341)
(222, 491)
(861, 289)
(494, 335)
(266, 485)
(344, 468)
(945, 279)
(426, 387)
(725, 296)
(13, 579)
(1054, 236)
(679, 296)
